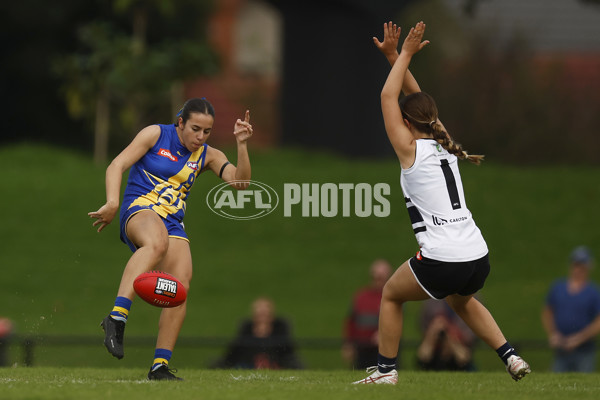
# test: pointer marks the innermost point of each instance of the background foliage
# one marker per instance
(508, 100)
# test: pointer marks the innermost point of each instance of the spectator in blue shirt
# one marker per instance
(571, 316)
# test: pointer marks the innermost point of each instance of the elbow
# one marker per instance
(114, 167)
(389, 95)
(243, 185)
(388, 100)
(242, 179)
(240, 185)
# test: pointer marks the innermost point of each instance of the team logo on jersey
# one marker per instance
(193, 165)
(439, 221)
(439, 147)
(167, 153)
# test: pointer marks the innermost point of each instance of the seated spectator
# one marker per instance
(361, 326)
(262, 342)
(6, 328)
(447, 341)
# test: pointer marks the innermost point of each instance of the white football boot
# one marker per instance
(390, 378)
(517, 367)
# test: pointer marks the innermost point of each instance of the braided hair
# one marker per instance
(421, 111)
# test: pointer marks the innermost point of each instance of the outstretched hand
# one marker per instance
(391, 36)
(414, 40)
(242, 129)
(104, 215)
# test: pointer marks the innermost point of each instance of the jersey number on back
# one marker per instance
(451, 185)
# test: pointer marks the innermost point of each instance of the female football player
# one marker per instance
(165, 161)
(452, 263)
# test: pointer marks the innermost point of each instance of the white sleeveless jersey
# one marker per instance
(433, 192)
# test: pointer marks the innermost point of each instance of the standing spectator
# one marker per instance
(262, 342)
(447, 341)
(571, 316)
(362, 324)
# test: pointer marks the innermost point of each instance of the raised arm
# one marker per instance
(389, 48)
(237, 176)
(398, 133)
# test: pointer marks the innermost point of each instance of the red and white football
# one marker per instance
(160, 289)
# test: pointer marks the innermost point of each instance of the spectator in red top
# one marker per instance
(361, 326)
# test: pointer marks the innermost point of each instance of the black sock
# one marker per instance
(385, 364)
(505, 351)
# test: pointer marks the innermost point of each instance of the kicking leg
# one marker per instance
(149, 234)
(177, 262)
(147, 230)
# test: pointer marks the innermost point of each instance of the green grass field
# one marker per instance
(60, 276)
(95, 383)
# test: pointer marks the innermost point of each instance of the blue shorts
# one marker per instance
(174, 227)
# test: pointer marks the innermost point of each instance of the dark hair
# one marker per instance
(196, 105)
(421, 111)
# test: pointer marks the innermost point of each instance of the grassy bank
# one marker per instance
(61, 276)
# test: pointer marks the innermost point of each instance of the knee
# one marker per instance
(387, 292)
(459, 305)
(185, 280)
(158, 247)
(390, 294)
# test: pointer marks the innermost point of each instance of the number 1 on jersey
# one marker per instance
(451, 185)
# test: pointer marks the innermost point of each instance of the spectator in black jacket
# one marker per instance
(263, 341)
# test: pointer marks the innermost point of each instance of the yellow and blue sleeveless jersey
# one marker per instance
(161, 180)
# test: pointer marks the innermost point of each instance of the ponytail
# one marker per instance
(444, 139)
(421, 111)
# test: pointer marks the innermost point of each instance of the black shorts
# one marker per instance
(440, 278)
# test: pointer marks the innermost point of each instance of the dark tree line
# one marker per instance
(107, 67)
(90, 74)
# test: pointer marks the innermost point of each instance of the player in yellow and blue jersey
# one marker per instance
(165, 160)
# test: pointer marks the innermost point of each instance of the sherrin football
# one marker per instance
(160, 289)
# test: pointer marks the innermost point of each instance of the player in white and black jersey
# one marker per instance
(452, 263)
